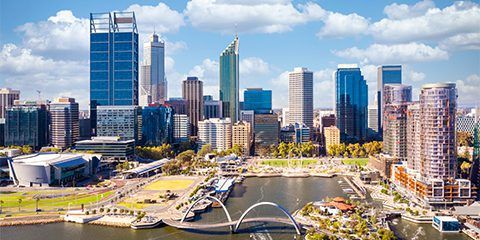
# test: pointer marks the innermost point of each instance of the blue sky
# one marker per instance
(44, 44)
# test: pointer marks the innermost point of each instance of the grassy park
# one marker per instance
(293, 162)
(25, 201)
(355, 161)
(169, 184)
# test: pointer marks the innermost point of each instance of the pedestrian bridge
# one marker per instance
(234, 224)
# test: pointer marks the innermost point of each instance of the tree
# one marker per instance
(186, 156)
(158, 152)
(206, 149)
(37, 199)
(464, 139)
(307, 149)
(237, 150)
(1, 205)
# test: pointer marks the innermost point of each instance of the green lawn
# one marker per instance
(10, 200)
(355, 161)
(170, 184)
(293, 162)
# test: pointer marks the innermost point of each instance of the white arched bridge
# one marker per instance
(234, 224)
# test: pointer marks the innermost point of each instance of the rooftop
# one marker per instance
(105, 140)
(45, 159)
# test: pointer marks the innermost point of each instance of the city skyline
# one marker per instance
(450, 52)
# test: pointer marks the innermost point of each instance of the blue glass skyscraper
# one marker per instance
(157, 125)
(351, 102)
(388, 74)
(258, 100)
(113, 61)
(229, 81)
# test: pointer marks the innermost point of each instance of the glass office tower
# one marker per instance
(229, 81)
(113, 61)
(258, 100)
(388, 74)
(351, 103)
(157, 125)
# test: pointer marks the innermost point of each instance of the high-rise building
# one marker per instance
(65, 125)
(285, 117)
(242, 136)
(372, 121)
(7, 97)
(331, 135)
(351, 100)
(300, 96)
(396, 98)
(179, 105)
(414, 144)
(258, 100)
(181, 128)
(26, 123)
(153, 84)
(192, 92)
(302, 133)
(211, 108)
(438, 104)
(389, 74)
(120, 121)
(229, 81)
(216, 132)
(328, 120)
(113, 61)
(157, 125)
(431, 180)
(266, 127)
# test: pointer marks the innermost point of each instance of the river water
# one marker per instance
(291, 193)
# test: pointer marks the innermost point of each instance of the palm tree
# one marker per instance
(37, 199)
(1, 205)
(19, 202)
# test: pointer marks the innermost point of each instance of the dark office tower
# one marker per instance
(26, 123)
(351, 102)
(179, 105)
(65, 124)
(7, 96)
(258, 100)
(390, 74)
(229, 81)
(192, 91)
(113, 61)
(157, 125)
(211, 108)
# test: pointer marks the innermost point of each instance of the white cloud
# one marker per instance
(424, 22)
(250, 16)
(62, 35)
(467, 41)
(402, 11)
(253, 66)
(340, 25)
(400, 53)
(323, 88)
(468, 90)
(416, 76)
(160, 17)
(21, 69)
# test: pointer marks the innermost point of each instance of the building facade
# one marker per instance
(179, 105)
(153, 83)
(332, 136)
(300, 96)
(258, 100)
(351, 101)
(372, 121)
(242, 136)
(211, 108)
(120, 121)
(111, 148)
(26, 123)
(266, 127)
(7, 97)
(65, 124)
(192, 92)
(396, 98)
(414, 144)
(113, 61)
(466, 124)
(181, 128)
(157, 125)
(216, 132)
(389, 74)
(229, 81)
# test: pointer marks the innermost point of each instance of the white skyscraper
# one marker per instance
(153, 84)
(216, 132)
(300, 96)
